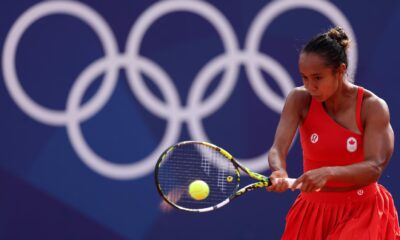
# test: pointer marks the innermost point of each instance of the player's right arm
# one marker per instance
(293, 113)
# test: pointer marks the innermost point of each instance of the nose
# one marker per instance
(310, 86)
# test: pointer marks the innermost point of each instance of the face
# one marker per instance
(320, 81)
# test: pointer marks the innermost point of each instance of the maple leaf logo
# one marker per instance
(351, 144)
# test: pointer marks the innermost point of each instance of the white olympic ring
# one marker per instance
(84, 13)
(195, 110)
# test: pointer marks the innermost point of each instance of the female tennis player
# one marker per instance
(347, 141)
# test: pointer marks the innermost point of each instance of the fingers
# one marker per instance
(306, 187)
(310, 181)
(310, 188)
(308, 184)
(297, 184)
(278, 185)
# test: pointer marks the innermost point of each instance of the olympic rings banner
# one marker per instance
(93, 91)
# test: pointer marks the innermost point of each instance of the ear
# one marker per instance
(341, 70)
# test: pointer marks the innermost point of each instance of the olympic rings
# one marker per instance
(196, 108)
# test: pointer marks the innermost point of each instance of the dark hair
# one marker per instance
(331, 45)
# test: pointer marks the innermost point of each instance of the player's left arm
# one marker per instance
(378, 138)
(378, 148)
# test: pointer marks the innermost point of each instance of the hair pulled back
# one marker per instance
(331, 45)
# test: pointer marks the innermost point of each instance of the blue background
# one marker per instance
(46, 190)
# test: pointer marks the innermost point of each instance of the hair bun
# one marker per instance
(340, 36)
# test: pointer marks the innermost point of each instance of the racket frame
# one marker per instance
(263, 181)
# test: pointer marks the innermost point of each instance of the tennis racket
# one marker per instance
(186, 162)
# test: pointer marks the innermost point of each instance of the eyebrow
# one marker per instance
(313, 74)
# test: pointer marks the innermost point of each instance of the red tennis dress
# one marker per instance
(367, 213)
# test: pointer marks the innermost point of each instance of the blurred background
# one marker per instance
(91, 92)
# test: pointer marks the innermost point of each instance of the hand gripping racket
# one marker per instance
(187, 162)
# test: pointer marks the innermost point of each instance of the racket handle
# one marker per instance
(290, 181)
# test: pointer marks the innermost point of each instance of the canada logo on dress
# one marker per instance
(351, 144)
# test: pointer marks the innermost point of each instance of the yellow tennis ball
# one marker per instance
(199, 190)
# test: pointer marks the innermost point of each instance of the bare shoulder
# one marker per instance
(298, 101)
(299, 95)
(374, 108)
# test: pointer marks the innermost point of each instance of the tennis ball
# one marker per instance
(199, 190)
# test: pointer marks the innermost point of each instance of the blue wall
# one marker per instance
(92, 91)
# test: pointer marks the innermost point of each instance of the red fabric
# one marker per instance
(326, 143)
(360, 95)
(367, 213)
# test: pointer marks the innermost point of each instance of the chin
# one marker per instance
(318, 98)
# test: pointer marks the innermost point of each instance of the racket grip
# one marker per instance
(290, 181)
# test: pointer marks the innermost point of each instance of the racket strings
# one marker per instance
(189, 162)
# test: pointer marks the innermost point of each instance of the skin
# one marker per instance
(339, 97)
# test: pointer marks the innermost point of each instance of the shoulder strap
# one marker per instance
(360, 94)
